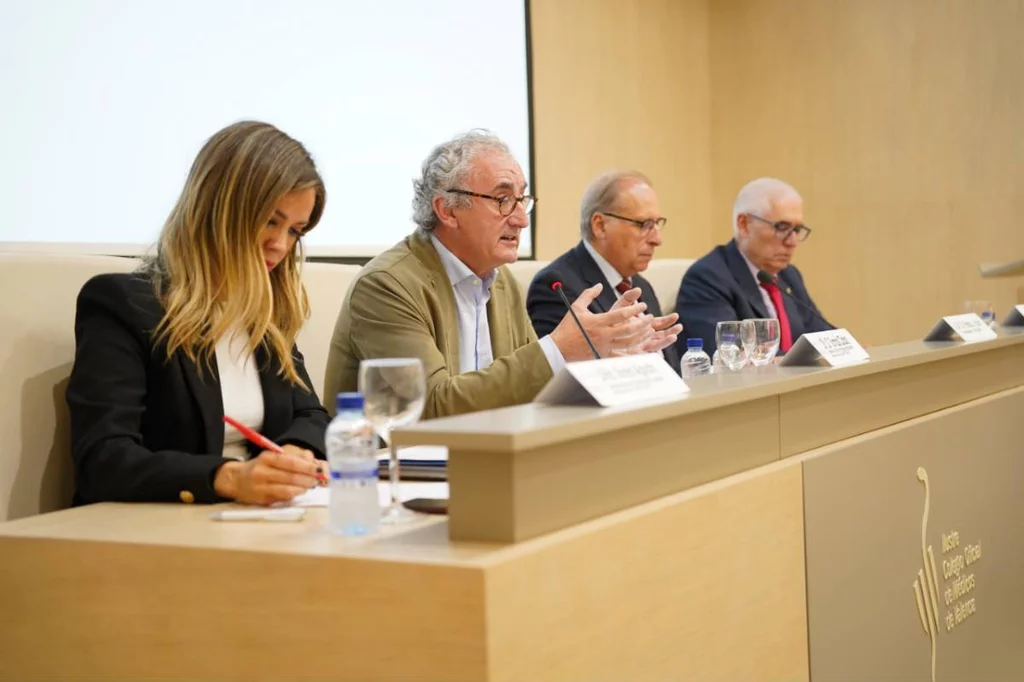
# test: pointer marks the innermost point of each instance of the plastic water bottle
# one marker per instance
(695, 361)
(351, 453)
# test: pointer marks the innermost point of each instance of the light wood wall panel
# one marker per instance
(899, 122)
(621, 85)
(703, 585)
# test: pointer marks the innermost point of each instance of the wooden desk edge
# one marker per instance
(469, 431)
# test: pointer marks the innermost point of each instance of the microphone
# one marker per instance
(556, 286)
(767, 278)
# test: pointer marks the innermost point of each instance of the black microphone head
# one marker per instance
(765, 277)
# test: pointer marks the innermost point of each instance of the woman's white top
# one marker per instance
(240, 391)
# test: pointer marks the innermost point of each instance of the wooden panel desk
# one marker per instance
(675, 547)
(140, 591)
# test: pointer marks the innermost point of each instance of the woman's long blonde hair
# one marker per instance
(209, 270)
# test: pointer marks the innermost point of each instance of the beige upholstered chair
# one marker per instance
(665, 275)
(524, 271)
(37, 348)
(326, 285)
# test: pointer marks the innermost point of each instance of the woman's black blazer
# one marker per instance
(145, 428)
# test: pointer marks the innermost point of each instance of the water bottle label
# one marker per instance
(353, 475)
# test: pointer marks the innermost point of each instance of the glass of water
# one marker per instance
(748, 338)
(982, 309)
(729, 341)
(766, 341)
(394, 390)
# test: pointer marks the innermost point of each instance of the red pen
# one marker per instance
(261, 440)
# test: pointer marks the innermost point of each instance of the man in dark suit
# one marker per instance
(768, 225)
(620, 225)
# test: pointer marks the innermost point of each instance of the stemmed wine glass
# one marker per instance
(394, 390)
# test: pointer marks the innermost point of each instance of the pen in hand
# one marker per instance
(262, 441)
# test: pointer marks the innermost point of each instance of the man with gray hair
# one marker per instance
(443, 295)
(620, 228)
(768, 225)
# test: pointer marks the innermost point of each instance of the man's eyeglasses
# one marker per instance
(506, 204)
(644, 225)
(784, 229)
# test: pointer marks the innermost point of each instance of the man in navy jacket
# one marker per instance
(768, 225)
(620, 226)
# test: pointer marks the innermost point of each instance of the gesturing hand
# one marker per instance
(616, 330)
(662, 332)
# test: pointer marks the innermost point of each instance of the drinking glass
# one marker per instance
(982, 309)
(729, 341)
(748, 338)
(394, 390)
(766, 341)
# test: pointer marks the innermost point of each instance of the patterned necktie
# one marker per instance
(785, 334)
(624, 286)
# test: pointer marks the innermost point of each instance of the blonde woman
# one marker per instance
(206, 328)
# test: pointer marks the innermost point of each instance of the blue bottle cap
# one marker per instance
(728, 338)
(692, 344)
(350, 401)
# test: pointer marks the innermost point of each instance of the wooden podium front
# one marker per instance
(770, 526)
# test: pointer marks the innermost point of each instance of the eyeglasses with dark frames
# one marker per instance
(784, 229)
(506, 204)
(644, 225)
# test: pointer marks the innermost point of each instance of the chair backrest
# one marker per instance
(326, 285)
(37, 349)
(665, 275)
(524, 271)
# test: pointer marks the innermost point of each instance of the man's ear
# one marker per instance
(444, 214)
(597, 226)
(743, 225)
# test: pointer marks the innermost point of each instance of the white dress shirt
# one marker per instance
(765, 296)
(607, 269)
(240, 392)
(471, 296)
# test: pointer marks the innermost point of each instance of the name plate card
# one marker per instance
(968, 327)
(833, 348)
(1015, 318)
(614, 381)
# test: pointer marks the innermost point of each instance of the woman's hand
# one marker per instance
(269, 477)
(321, 465)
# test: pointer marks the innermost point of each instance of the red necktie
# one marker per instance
(624, 286)
(785, 335)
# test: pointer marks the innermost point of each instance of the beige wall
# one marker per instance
(899, 121)
(621, 84)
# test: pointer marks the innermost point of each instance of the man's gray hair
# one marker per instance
(757, 197)
(602, 194)
(446, 168)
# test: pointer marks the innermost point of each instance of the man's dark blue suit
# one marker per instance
(578, 271)
(720, 287)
